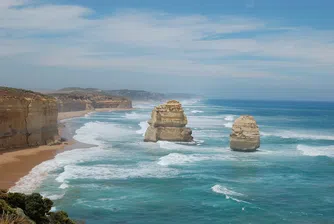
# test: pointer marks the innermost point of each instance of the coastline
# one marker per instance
(17, 163)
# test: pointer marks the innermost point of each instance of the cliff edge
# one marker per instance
(82, 99)
(26, 118)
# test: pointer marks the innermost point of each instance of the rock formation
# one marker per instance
(168, 123)
(88, 100)
(26, 118)
(245, 134)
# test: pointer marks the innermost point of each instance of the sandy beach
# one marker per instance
(17, 163)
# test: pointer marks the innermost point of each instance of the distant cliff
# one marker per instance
(140, 95)
(77, 99)
(26, 118)
(137, 95)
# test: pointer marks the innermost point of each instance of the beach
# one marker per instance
(15, 164)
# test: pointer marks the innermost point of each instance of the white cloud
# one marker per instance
(159, 43)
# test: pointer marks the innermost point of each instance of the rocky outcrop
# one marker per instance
(26, 118)
(89, 100)
(245, 134)
(168, 123)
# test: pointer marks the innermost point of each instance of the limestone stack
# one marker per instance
(245, 134)
(26, 119)
(168, 123)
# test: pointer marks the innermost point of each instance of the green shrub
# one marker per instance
(48, 205)
(60, 217)
(35, 208)
(16, 200)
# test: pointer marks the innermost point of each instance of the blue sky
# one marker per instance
(253, 49)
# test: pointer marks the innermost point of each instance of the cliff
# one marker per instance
(88, 100)
(135, 95)
(26, 118)
(245, 134)
(168, 123)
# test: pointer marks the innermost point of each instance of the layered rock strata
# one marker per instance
(78, 101)
(245, 134)
(26, 119)
(168, 123)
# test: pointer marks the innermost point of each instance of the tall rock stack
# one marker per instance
(245, 134)
(168, 123)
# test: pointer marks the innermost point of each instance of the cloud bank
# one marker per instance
(150, 42)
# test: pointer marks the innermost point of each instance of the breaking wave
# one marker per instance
(143, 127)
(316, 150)
(228, 125)
(296, 135)
(136, 116)
(229, 194)
(182, 159)
(106, 172)
(229, 118)
(197, 111)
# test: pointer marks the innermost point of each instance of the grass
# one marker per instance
(10, 219)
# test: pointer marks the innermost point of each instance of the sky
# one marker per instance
(241, 49)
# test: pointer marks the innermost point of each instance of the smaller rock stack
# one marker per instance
(168, 123)
(245, 134)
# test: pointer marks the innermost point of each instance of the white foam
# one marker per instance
(63, 186)
(298, 135)
(176, 146)
(53, 197)
(94, 132)
(90, 133)
(89, 114)
(228, 125)
(229, 118)
(143, 127)
(229, 194)
(189, 102)
(53, 209)
(182, 159)
(107, 172)
(197, 111)
(30, 182)
(136, 116)
(316, 150)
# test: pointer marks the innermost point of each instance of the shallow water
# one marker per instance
(124, 180)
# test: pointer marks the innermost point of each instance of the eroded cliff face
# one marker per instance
(168, 123)
(245, 134)
(26, 119)
(78, 101)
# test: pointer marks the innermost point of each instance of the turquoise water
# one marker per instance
(124, 180)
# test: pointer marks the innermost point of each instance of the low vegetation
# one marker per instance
(17, 208)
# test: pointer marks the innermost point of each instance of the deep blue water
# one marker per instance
(124, 180)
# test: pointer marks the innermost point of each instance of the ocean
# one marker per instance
(122, 179)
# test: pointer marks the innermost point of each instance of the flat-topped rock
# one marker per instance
(168, 123)
(245, 134)
(26, 119)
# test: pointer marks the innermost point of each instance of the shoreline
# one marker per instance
(15, 164)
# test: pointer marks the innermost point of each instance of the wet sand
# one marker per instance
(17, 163)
